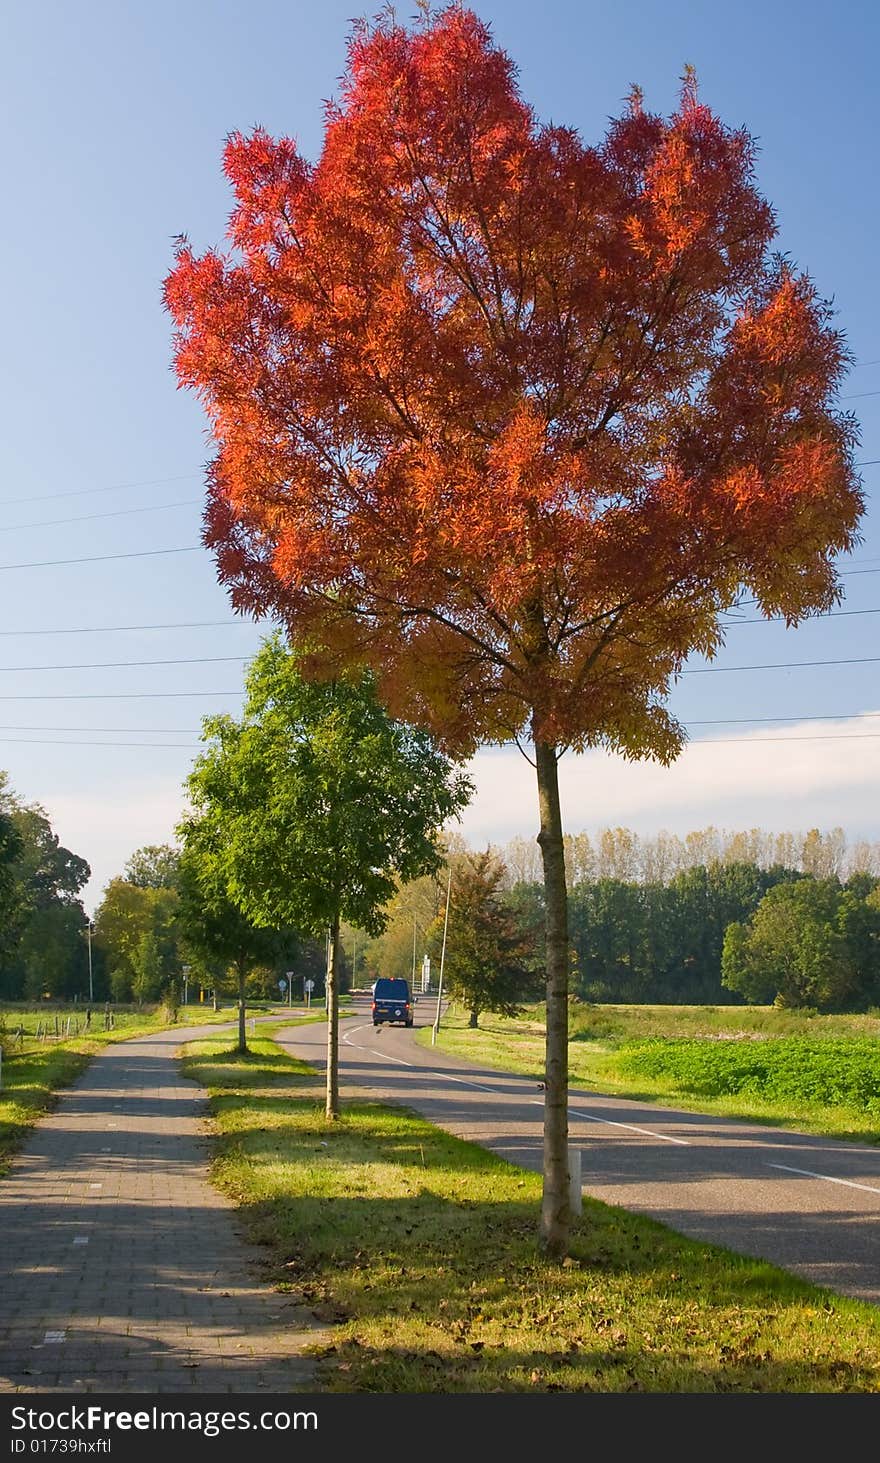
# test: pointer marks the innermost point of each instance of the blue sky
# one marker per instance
(114, 117)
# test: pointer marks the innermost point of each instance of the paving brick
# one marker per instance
(166, 1293)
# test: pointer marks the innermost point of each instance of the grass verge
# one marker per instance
(817, 1075)
(421, 1248)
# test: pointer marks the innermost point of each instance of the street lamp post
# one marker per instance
(185, 969)
(91, 982)
(436, 1027)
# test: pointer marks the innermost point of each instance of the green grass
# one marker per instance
(819, 1074)
(420, 1250)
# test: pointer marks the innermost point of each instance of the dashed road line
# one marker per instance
(808, 1173)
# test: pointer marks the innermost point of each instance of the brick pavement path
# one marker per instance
(121, 1268)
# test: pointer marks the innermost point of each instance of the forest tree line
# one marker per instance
(653, 919)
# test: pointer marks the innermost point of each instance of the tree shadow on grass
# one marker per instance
(440, 1286)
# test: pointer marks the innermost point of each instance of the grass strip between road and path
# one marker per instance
(421, 1250)
(818, 1074)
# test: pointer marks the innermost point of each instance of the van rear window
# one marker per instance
(391, 990)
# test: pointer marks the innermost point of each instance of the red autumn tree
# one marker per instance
(511, 418)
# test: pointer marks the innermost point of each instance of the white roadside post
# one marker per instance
(575, 1191)
(436, 1027)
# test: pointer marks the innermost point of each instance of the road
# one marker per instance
(810, 1205)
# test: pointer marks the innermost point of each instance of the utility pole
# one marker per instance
(91, 983)
(436, 1027)
(414, 954)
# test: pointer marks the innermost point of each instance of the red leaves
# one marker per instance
(490, 409)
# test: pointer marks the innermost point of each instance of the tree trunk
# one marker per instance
(555, 1208)
(332, 988)
(474, 1021)
(242, 1025)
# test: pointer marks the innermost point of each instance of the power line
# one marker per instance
(112, 629)
(755, 720)
(90, 517)
(133, 731)
(59, 742)
(185, 477)
(784, 665)
(101, 558)
(119, 695)
(115, 665)
(729, 741)
(856, 395)
(780, 619)
(192, 747)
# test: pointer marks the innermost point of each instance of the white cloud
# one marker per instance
(776, 778)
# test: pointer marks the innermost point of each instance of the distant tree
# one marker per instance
(486, 967)
(43, 949)
(12, 906)
(155, 866)
(316, 805)
(151, 968)
(806, 945)
(126, 914)
(214, 926)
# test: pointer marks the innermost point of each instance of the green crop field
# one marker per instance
(820, 1074)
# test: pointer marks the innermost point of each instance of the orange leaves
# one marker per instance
(509, 416)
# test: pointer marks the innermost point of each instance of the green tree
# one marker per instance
(801, 948)
(44, 948)
(151, 968)
(155, 866)
(486, 966)
(215, 928)
(317, 805)
(126, 914)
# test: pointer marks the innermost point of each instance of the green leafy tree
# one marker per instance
(486, 967)
(215, 928)
(155, 866)
(44, 948)
(151, 968)
(317, 804)
(126, 914)
(11, 902)
(805, 946)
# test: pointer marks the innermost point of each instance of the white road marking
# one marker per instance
(51, 1338)
(808, 1173)
(464, 1082)
(81, 1239)
(649, 1132)
(371, 1049)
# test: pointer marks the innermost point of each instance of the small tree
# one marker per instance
(486, 965)
(315, 805)
(214, 926)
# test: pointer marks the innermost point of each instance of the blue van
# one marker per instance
(392, 1002)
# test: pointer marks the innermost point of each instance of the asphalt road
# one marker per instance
(810, 1205)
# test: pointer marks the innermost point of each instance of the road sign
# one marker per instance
(310, 985)
(282, 985)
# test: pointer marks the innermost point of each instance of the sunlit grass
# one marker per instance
(421, 1252)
